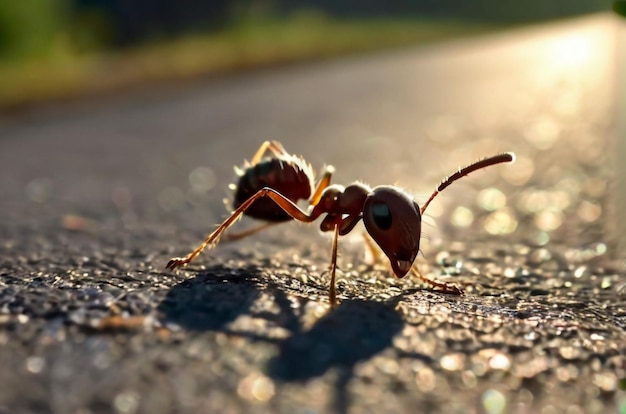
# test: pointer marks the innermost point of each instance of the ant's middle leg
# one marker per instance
(249, 232)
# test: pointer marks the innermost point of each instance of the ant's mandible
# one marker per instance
(269, 188)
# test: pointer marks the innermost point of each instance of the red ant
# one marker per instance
(269, 189)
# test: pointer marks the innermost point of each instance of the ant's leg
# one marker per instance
(445, 287)
(245, 233)
(274, 146)
(341, 227)
(332, 292)
(321, 186)
(375, 252)
(378, 257)
(212, 239)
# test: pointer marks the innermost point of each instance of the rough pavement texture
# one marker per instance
(96, 199)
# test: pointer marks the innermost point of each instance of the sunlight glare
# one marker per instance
(573, 50)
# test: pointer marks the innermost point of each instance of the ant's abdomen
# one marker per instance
(288, 177)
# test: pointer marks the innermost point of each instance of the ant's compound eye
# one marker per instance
(381, 215)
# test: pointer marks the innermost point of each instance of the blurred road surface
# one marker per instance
(97, 196)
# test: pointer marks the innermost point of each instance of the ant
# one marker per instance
(269, 188)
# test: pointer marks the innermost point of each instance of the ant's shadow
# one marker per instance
(353, 332)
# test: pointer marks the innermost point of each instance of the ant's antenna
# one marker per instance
(462, 172)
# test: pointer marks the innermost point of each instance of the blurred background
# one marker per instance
(64, 48)
(514, 79)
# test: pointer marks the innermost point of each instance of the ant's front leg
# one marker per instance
(340, 226)
(375, 254)
(212, 239)
(332, 291)
(379, 257)
(444, 287)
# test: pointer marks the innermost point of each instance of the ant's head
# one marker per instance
(394, 221)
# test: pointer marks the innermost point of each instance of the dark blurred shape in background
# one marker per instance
(27, 26)
(483, 10)
(619, 7)
(137, 20)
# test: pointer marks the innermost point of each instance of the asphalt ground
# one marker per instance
(97, 196)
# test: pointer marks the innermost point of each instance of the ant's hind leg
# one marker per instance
(212, 239)
(274, 146)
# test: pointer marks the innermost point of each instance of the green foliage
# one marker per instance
(30, 27)
(619, 7)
